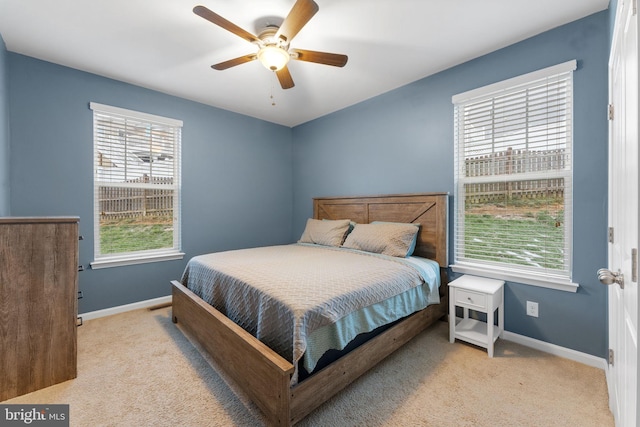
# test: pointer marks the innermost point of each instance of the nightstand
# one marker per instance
(481, 295)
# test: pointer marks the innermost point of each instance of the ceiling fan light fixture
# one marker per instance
(274, 58)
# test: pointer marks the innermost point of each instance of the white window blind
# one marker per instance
(136, 187)
(513, 172)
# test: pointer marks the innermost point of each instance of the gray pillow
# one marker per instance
(387, 238)
(325, 232)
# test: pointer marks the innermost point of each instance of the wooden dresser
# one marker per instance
(38, 303)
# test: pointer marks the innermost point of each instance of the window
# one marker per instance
(136, 187)
(513, 179)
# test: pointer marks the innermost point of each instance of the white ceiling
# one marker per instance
(163, 45)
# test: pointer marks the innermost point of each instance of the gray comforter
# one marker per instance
(281, 294)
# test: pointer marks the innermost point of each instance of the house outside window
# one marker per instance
(136, 187)
(513, 179)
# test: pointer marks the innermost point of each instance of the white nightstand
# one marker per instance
(478, 294)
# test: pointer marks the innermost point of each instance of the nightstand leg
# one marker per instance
(490, 317)
(501, 312)
(452, 318)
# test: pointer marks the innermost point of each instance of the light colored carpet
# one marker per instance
(138, 369)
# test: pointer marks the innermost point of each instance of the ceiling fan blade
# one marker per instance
(233, 62)
(227, 25)
(334, 59)
(301, 12)
(284, 76)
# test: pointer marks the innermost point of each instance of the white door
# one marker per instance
(622, 376)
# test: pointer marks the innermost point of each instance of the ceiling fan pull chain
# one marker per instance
(273, 102)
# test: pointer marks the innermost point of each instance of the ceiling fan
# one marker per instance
(273, 42)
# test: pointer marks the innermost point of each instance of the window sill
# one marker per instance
(119, 261)
(550, 282)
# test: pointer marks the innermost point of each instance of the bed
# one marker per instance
(270, 380)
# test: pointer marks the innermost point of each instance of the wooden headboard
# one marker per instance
(430, 210)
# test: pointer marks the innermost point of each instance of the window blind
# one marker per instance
(513, 172)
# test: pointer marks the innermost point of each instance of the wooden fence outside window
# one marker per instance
(511, 162)
(125, 203)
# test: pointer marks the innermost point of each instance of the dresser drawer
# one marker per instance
(470, 299)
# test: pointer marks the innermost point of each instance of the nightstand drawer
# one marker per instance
(472, 300)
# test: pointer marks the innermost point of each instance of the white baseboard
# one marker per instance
(123, 308)
(567, 353)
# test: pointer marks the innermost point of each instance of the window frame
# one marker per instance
(504, 271)
(143, 256)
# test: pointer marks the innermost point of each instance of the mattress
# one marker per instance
(303, 299)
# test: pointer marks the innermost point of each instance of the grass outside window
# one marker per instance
(136, 234)
(529, 233)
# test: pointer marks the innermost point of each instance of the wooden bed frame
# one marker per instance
(263, 374)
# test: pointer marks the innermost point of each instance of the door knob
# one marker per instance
(608, 277)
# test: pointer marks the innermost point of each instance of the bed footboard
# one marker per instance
(260, 372)
(265, 376)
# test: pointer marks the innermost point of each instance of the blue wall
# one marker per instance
(236, 174)
(402, 141)
(613, 7)
(4, 132)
